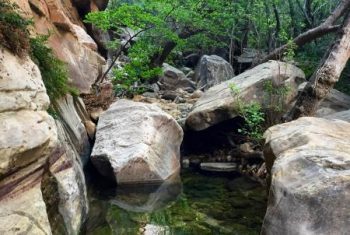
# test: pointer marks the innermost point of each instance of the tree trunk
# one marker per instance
(326, 27)
(158, 59)
(325, 77)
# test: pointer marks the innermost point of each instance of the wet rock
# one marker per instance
(138, 141)
(219, 167)
(212, 70)
(174, 78)
(308, 161)
(218, 103)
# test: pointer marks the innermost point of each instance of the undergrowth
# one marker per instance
(257, 117)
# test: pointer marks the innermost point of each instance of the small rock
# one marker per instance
(246, 148)
(96, 114)
(185, 163)
(90, 129)
(196, 94)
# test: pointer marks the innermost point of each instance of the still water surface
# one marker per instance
(200, 204)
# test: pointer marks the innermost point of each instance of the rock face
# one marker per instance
(217, 104)
(74, 125)
(22, 157)
(310, 177)
(68, 38)
(42, 186)
(137, 143)
(212, 70)
(174, 78)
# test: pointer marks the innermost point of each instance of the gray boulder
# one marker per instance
(174, 78)
(217, 103)
(212, 70)
(309, 164)
(137, 143)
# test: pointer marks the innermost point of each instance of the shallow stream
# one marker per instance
(195, 204)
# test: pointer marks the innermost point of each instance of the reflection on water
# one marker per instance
(200, 205)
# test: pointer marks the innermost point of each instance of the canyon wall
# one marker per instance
(42, 184)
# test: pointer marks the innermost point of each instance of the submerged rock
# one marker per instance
(219, 167)
(212, 70)
(137, 143)
(309, 163)
(218, 103)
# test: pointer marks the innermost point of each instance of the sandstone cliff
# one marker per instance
(42, 185)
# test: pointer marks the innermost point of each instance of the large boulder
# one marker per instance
(174, 78)
(217, 104)
(212, 70)
(309, 163)
(137, 143)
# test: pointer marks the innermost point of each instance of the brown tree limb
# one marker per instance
(325, 77)
(325, 28)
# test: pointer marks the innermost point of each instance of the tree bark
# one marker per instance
(158, 59)
(326, 27)
(325, 77)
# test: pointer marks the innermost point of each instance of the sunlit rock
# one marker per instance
(137, 143)
(218, 103)
(309, 164)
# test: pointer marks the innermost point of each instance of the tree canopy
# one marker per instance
(167, 30)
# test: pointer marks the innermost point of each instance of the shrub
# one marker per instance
(252, 114)
(14, 34)
(53, 70)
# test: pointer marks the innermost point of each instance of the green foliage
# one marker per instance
(252, 113)
(162, 21)
(254, 118)
(14, 34)
(53, 71)
(289, 54)
(259, 117)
